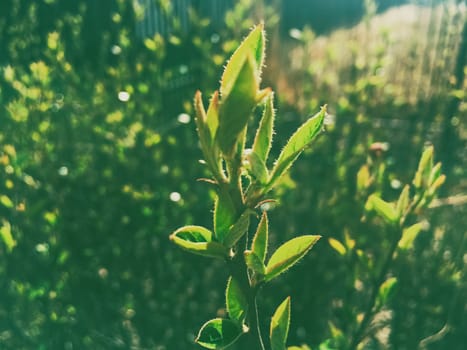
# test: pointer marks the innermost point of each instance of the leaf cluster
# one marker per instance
(243, 181)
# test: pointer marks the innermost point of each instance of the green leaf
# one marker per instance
(424, 167)
(6, 201)
(384, 209)
(218, 333)
(409, 235)
(198, 240)
(6, 236)
(212, 116)
(434, 174)
(225, 215)
(200, 117)
(255, 167)
(236, 301)
(436, 184)
(386, 291)
(238, 229)
(263, 139)
(254, 262)
(337, 246)
(296, 144)
(403, 201)
(260, 240)
(280, 323)
(235, 108)
(288, 254)
(253, 45)
(203, 125)
(363, 178)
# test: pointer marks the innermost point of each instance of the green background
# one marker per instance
(89, 183)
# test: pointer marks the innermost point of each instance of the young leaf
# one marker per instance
(363, 178)
(260, 240)
(403, 201)
(386, 291)
(296, 144)
(205, 122)
(434, 174)
(263, 139)
(236, 301)
(252, 45)
(198, 240)
(224, 215)
(409, 235)
(436, 184)
(255, 167)
(384, 209)
(218, 333)
(280, 323)
(288, 254)
(337, 246)
(424, 167)
(254, 262)
(202, 128)
(6, 236)
(238, 229)
(212, 116)
(235, 108)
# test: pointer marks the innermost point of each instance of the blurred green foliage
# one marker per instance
(95, 131)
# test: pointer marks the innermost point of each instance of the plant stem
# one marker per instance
(368, 314)
(255, 326)
(239, 271)
(237, 265)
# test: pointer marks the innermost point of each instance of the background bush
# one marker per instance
(96, 129)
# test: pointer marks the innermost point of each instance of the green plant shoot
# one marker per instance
(242, 182)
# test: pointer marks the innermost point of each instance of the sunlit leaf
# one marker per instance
(236, 301)
(403, 201)
(252, 45)
(296, 144)
(424, 167)
(6, 236)
(218, 333)
(263, 139)
(363, 178)
(409, 235)
(212, 116)
(280, 323)
(235, 108)
(337, 246)
(198, 240)
(260, 239)
(384, 209)
(288, 254)
(204, 123)
(435, 173)
(387, 290)
(6, 201)
(437, 184)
